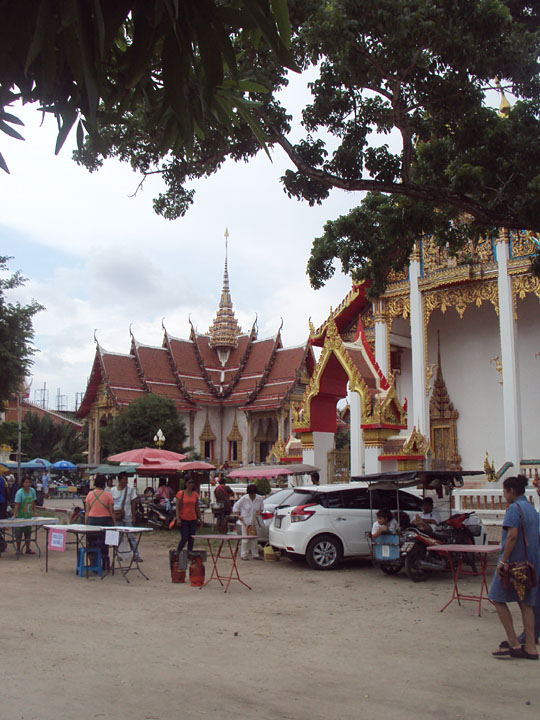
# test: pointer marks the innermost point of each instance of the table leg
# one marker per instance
(34, 540)
(234, 566)
(455, 577)
(46, 550)
(214, 573)
(134, 555)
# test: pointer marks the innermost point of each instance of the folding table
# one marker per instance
(457, 570)
(35, 523)
(82, 532)
(233, 542)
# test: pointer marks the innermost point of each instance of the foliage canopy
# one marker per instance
(136, 425)
(404, 108)
(170, 62)
(16, 333)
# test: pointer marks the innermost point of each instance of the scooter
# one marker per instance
(453, 531)
(159, 517)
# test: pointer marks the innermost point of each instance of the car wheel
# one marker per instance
(324, 552)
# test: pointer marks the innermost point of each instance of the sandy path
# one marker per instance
(349, 644)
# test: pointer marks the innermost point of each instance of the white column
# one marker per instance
(373, 464)
(356, 440)
(322, 443)
(381, 337)
(513, 439)
(419, 412)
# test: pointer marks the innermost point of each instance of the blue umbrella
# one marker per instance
(42, 462)
(64, 465)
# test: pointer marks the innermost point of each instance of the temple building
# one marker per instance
(233, 391)
(442, 370)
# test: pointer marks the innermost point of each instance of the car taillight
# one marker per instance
(301, 513)
(267, 515)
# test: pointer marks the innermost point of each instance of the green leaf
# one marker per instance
(68, 117)
(280, 11)
(3, 164)
(4, 127)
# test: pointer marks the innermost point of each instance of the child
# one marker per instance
(385, 523)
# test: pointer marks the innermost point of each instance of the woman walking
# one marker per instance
(188, 515)
(519, 543)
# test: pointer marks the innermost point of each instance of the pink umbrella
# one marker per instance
(168, 466)
(141, 455)
(261, 471)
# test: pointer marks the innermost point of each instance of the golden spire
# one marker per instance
(225, 330)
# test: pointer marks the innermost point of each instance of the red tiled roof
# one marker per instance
(254, 368)
(121, 370)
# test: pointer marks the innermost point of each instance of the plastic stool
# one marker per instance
(95, 567)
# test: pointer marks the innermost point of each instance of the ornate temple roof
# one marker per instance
(225, 368)
(224, 331)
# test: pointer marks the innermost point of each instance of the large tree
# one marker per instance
(16, 333)
(425, 74)
(171, 62)
(136, 426)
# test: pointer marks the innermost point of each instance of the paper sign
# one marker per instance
(112, 537)
(386, 551)
(57, 540)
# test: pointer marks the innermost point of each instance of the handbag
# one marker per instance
(521, 575)
(119, 514)
(251, 530)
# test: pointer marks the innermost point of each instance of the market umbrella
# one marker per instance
(42, 462)
(260, 471)
(159, 466)
(196, 465)
(64, 465)
(140, 454)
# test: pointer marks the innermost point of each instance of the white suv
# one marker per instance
(327, 523)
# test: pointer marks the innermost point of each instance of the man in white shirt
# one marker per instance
(248, 509)
(429, 517)
(125, 498)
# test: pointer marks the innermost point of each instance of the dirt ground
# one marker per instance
(352, 643)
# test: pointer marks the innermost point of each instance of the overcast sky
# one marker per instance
(98, 259)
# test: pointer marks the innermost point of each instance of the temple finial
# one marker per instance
(225, 330)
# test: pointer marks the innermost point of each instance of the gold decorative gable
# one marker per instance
(443, 422)
(379, 406)
(234, 435)
(207, 435)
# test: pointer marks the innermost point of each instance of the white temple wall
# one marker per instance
(401, 327)
(467, 346)
(528, 325)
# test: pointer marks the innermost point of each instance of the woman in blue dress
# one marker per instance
(520, 514)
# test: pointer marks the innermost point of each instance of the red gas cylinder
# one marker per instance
(196, 572)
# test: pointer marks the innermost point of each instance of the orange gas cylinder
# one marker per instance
(196, 572)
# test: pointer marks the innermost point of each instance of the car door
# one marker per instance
(350, 518)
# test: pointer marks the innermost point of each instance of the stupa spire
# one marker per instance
(225, 330)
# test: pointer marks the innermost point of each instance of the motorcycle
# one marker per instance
(457, 530)
(160, 517)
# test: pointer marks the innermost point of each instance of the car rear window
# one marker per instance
(301, 498)
(281, 497)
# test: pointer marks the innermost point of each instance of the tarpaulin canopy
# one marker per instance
(139, 455)
(430, 479)
(114, 469)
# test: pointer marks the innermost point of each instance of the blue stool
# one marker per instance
(92, 567)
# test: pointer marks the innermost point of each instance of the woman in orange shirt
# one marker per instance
(100, 511)
(188, 515)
